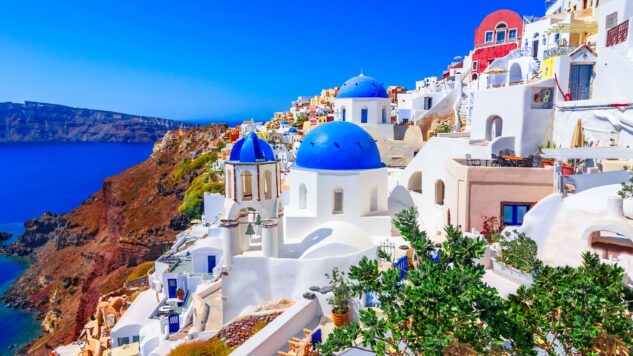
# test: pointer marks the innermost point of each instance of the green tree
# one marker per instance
(581, 310)
(520, 252)
(627, 189)
(439, 306)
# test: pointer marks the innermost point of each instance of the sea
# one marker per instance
(55, 177)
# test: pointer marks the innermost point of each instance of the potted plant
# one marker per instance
(180, 293)
(341, 297)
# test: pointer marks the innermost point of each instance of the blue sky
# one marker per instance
(201, 60)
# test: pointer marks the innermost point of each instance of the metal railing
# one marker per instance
(557, 51)
(495, 43)
(618, 34)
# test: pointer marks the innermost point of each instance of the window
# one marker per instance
(303, 195)
(268, 185)
(363, 115)
(123, 341)
(612, 20)
(135, 338)
(512, 34)
(384, 115)
(501, 36)
(338, 202)
(439, 192)
(556, 38)
(512, 213)
(247, 185)
(428, 102)
(475, 66)
(544, 40)
(343, 113)
(489, 36)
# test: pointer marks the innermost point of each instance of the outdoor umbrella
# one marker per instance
(578, 137)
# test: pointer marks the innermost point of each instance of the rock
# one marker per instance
(4, 236)
(179, 222)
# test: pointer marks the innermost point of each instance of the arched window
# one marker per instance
(373, 199)
(501, 32)
(229, 184)
(268, 185)
(343, 112)
(384, 115)
(337, 203)
(247, 185)
(439, 192)
(415, 182)
(303, 196)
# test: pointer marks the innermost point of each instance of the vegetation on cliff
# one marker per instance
(92, 250)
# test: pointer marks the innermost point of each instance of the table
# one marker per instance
(512, 158)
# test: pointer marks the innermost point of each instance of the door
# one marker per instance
(580, 81)
(174, 323)
(171, 288)
(210, 263)
(535, 48)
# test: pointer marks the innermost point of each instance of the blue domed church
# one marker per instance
(363, 100)
(338, 176)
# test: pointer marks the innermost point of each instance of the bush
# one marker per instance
(519, 252)
(194, 196)
(189, 164)
(213, 347)
(141, 270)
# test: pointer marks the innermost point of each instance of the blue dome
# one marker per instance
(292, 130)
(251, 149)
(338, 145)
(362, 86)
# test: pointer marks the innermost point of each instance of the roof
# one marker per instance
(338, 145)
(362, 86)
(140, 310)
(251, 149)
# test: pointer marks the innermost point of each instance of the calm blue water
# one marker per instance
(52, 177)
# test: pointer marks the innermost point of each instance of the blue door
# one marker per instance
(580, 81)
(174, 323)
(211, 263)
(363, 116)
(171, 288)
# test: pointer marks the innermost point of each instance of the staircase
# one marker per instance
(464, 108)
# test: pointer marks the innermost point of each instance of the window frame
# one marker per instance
(492, 37)
(516, 34)
(336, 211)
(515, 205)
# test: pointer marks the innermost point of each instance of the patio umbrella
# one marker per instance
(578, 137)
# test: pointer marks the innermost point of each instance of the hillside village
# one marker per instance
(527, 135)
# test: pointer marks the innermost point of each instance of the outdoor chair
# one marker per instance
(537, 161)
(472, 162)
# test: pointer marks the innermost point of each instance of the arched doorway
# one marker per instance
(516, 74)
(303, 192)
(415, 182)
(494, 127)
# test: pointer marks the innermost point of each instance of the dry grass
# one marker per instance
(212, 347)
(141, 270)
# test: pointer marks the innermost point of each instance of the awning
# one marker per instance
(574, 27)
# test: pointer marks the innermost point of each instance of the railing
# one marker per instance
(495, 43)
(618, 34)
(557, 51)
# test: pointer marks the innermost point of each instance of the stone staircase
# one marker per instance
(464, 109)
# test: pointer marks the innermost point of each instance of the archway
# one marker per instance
(343, 113)
(373, 199)
(247, 185)
(439, 192)
(229, 184)
(516, 74)
(268, 185)
(415, 182)
(494, 127)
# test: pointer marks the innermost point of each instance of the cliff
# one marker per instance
(78, 256)
(39, 122)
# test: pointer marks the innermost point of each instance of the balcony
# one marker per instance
(618, 34)
(517, 41)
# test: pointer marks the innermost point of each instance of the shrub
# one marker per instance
(189, 164)
(212, 347)
(519, 252)
(341, 291)
(194, 196)
(141, 270)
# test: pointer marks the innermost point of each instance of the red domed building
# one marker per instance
(499, 33)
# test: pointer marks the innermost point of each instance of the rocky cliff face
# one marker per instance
(39, 122)
(78, 256)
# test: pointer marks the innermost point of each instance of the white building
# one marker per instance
(362, 100)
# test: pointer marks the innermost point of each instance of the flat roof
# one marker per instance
(140, 310)
(588, 153)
